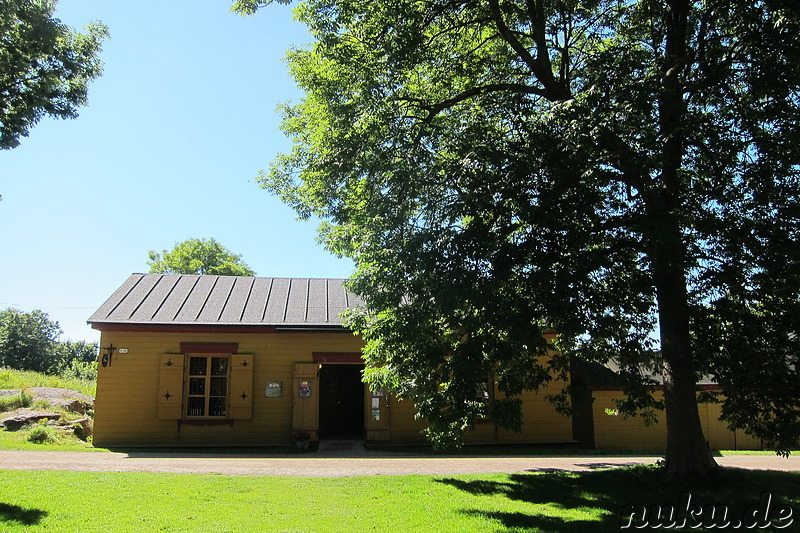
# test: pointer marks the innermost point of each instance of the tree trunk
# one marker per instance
(687, 454)
(687, 450)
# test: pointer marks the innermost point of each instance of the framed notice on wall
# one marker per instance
(273, 389)
(304, 389)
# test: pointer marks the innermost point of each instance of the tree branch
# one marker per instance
(435, 109)
(540, 65)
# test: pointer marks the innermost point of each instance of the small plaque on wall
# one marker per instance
(273, 389)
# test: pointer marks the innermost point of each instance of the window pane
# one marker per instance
(219, 366)
(197, 385)
(197, 366)
(207, 387)
(219, 387)
(216, 406)
(195, 406)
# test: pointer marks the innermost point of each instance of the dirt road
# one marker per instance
(338, 464)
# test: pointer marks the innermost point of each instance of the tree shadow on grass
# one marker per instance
(558, 492)
(15, 513)
(562, 501)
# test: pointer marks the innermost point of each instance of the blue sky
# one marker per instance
(176, 129)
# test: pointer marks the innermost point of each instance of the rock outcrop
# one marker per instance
(57, 399)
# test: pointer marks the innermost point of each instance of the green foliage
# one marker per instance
(80, 370)
(42, 433)
(10, 403)
(45, 66)
(198, 256)
(76, 359)
(28, 341)
(626, 174)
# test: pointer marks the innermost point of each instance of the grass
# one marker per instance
(65, 442)
(15, 401)
(18, 379)
(38, 436)
(752, 452)
(525, 502)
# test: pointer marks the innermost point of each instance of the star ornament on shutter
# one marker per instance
(167, 396)
(243, 396)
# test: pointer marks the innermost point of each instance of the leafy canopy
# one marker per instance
(623, 172)
(45, 66)
(198, 256)
(30, 341)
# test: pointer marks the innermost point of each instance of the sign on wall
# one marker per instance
(273, 389)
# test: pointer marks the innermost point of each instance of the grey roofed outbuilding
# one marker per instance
(179, 299)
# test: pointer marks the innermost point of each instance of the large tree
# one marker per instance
(29, 341)
(623, 172)
(198, 256)
(45, 66)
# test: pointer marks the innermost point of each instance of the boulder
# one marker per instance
(61, 396)
(23, 417)
(82, 428)
(72, 405)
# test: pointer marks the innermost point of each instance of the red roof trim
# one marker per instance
(209, 347)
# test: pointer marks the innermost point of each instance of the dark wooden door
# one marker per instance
(341, 401)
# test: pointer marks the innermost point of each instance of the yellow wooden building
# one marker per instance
(223, 360)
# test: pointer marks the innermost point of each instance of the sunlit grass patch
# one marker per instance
(529, 502)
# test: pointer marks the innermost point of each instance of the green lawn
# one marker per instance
(545, 501)
(18, 440)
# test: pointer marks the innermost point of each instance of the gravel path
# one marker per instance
(338, 463)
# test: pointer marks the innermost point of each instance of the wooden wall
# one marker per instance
(616, 432)
(126, 410)
(127, 390)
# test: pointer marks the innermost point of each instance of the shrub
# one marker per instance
(82, 370)
(41, 404)
(41, 433)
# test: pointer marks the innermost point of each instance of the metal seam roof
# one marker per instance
(193, 299)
